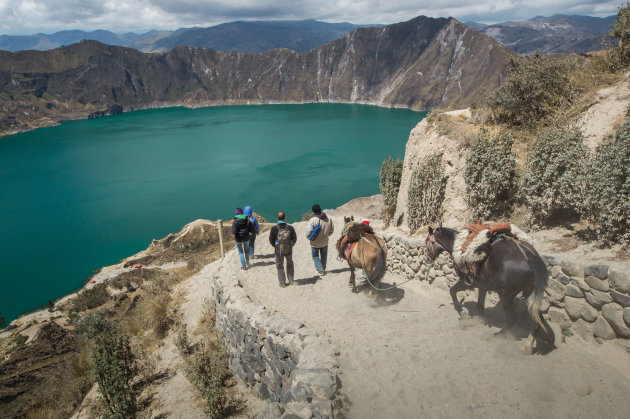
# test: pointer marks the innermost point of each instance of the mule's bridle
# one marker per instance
(431, 245)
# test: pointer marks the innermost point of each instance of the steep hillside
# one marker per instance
(422, 64)
(547, 35)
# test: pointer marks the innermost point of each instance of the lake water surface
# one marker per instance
(87, 193)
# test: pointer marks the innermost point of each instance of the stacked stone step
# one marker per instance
(592, 300)
(283, 362)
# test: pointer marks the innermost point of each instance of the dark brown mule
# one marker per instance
(369, 254)
(512, 266)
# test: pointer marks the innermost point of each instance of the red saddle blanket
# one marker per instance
(349, 249)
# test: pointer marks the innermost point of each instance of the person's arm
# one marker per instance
(234, 227)
(256, 226)
(273, 234)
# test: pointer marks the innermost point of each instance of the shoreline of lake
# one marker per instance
(49, 122)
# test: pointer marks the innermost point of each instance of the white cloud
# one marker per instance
(30, 16)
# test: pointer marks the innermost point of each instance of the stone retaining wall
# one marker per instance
(591, 300)
(281, 361)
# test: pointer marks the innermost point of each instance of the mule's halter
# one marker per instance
(430, 245)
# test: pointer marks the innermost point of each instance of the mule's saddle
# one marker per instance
(475, 229)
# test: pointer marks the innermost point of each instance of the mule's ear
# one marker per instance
(430, 230)
(352, 218)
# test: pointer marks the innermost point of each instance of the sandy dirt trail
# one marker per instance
(413, 357)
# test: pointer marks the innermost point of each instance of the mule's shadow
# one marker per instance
(339, 270)
(495, 317)
(389, 296)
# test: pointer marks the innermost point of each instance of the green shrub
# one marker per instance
(391, 172)
(490, 175)
(554, 180)
(182, 342)
(207, 369)
(609, 186)
(426, 192)
(618, 57)
(113, 365)
(537, 87)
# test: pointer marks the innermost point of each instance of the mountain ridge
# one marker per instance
(550, 35)
(423, 63)
(245, 36)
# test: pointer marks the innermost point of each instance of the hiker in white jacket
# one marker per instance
(319, 244)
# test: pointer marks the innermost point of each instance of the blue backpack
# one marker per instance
(315, 232)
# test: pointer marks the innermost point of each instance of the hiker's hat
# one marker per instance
(366, 222)
(316, 209)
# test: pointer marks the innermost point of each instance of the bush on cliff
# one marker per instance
(426, 192)
(490, 175)
(618, 58)
(114, 365)
(553, 185)
(609, 187)
(390, 175)
(536, 89)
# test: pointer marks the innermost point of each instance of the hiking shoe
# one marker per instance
(322, 273)
(244, 268)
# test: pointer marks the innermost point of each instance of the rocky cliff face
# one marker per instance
(424, 140)
(423, 63)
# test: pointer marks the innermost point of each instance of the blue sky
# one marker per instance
(31, 16)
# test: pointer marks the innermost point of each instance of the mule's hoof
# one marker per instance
(371, 294)
(464, 314)
(355, 290)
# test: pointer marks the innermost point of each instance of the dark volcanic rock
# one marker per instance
(32, 372)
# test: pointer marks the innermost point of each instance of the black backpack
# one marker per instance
(243, 230)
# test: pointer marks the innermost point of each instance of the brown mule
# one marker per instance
(369, 254)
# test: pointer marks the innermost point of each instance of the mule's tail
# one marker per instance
(380, 264)
(541, 277)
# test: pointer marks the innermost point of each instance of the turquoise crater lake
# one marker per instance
(87, 193)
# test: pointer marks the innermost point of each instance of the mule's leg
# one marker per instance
(481, 301)
(459, 286)
(508, 307)
(352, 281)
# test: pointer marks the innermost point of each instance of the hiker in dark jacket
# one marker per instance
(242, 227)
(252, 238)
(319, 245)
(282, 237)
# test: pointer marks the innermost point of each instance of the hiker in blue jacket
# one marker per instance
(252, 238)
(242, 228)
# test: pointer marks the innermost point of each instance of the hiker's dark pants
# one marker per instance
(280, 266)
